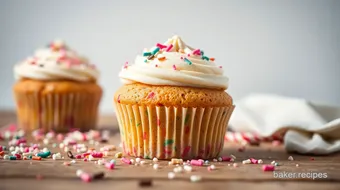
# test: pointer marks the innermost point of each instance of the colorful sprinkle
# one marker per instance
(156, 50)
(188, 61)
(161, 46)
(169, 48)
(145, 60)
(174, 67)
(118, 98)
(156, 65)
(168, 142)
(212, 59)
(196, 52)
(220, 67)
(138, 124)
(268, 168)
(186, 119)
(161, 58)
(147, 54)
(126, 161)
(205, 58)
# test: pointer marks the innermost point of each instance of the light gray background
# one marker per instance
(288, 47)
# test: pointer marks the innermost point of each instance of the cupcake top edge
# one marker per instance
(174, 63)
(56, 62)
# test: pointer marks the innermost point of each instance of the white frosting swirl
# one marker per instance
(180, 66)
(56, 62)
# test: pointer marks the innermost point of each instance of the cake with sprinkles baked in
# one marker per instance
(56, 89)
(173, 103)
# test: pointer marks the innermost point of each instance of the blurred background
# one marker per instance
(289, 47)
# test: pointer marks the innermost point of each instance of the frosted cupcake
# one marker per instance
(56, 89)
(173, 103)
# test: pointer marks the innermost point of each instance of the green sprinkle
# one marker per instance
(186, 119)
(168, 142)
(188, 61)
(205, 58)
(30, 157)
(145, 60)
(146, 157)
(202, 52)
(155, 50)
(138, 124)
(54, 145)
(146, 53)
(12, 157)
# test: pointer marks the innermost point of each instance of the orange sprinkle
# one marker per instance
(2, 153)
(161, 58)
(36, 158)
(212, 59)
(181, 51)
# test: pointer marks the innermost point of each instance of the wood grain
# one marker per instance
(22, 174)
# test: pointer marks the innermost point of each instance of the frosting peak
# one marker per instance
(56, 62)
(175, 63)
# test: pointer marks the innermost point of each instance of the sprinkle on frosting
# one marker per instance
(194, 68)
(54, 62)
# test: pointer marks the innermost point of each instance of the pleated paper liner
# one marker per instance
(58, 112)
(171, 132)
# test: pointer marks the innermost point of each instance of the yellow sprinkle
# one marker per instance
(119, 155)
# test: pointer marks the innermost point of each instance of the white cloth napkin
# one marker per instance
(308, 128)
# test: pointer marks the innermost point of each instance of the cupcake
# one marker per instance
(173, 103)
(56, 89)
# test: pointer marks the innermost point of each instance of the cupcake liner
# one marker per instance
(172, 132)
(58, 112)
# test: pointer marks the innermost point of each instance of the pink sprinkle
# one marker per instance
(85, 177)
(110, 166)
(85, 160)
(197, 52)
(12, 128)
(18, 156)
(186, 151)
(169, 48)
(276, 143)
(151, 95)
(161, 46)
(126, 161)
(156, 65)
(227, 159)
(182, 58)
(97, 155)
(26, 149)
(196, 162)
(268, 168)
(1, 148)
(253, 161)
(78, 156)
(174, 67)
(118, 99)
(220, 67)
(188, 54)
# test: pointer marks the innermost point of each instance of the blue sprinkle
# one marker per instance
(155, 51)
(188, 61)
(146, 53)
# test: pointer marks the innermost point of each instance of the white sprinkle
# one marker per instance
(220, 159)
(229, 165)
(101, 162)
(273, 162)
(155, 166)
(142, 162)
(132, 161)
(290, 158)
(46, 141)
(73, 161)
(188, 168)
(11, 148)
(79, 172)
(6, 157)
(297, 165)
(260, 161)
(235, 165)
(171, 175)
(170, 163)
(155, 159)
(138, 160)
(91, 158)
(212, 167)
(195, 178)
(61, 145)
(214, 160)
(246, 161)
(234, 157)
(178, 169)
(66, 149)
(45, 149)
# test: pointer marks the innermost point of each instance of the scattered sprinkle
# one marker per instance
(156, 50)
(171, 175)
(174, 67)
(155, 166)
(297, 165)
(195, 178)
(147, 54)
(235, 165)
(161, 46)
(155, 159)
(169, 48)
(290, 158)
(268, 168)
(212, 59)
(188, 61)
(248, 161)
(260, 161)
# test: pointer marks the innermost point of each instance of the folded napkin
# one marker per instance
(306, 127)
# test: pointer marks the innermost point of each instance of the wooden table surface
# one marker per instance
(22, 174)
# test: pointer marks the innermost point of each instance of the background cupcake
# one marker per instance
(173, 103)
(56, 89)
